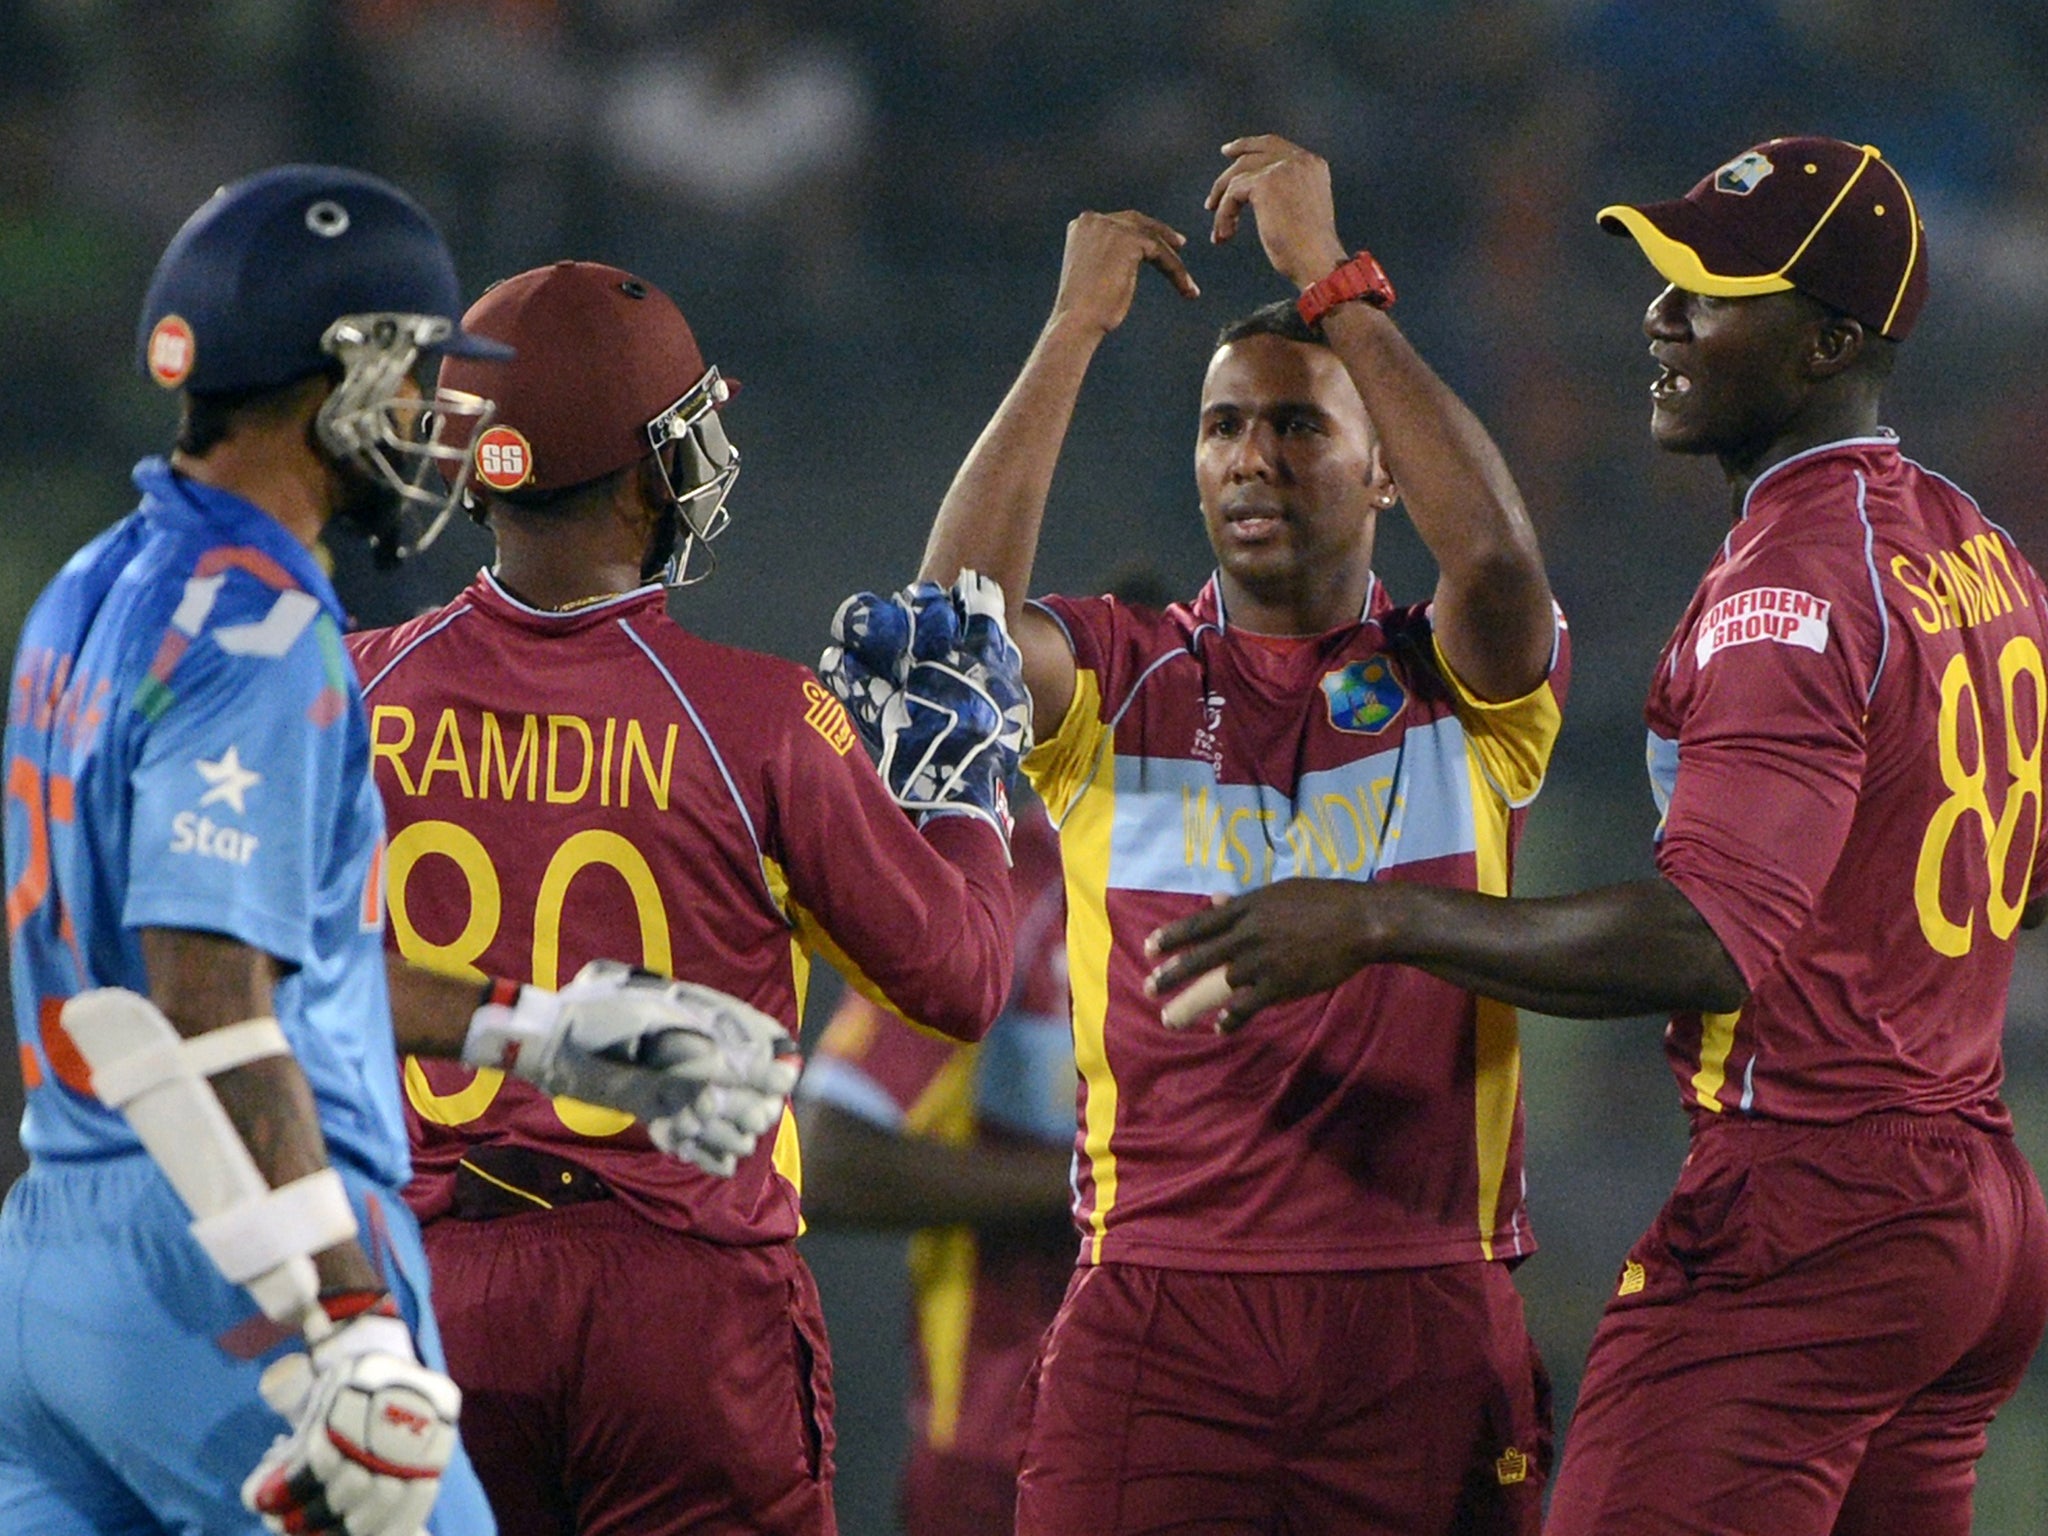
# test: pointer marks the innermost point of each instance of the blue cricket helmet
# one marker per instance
(245, 293)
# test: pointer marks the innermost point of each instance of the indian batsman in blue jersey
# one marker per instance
(185, 749)
(187, 764)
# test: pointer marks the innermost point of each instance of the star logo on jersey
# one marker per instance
(227, 781)
(1364, 697)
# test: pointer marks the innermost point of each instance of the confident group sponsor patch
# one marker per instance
(1364, 697)
(1784, 614)
(504, 459)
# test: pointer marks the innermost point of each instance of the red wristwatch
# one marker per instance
(1359, 278)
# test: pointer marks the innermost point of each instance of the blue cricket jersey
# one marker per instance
(186, 748)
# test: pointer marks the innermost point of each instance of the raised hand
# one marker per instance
(953, 735)
(936, 687)
(869, 656)
(1288, 190)
(1105, 251)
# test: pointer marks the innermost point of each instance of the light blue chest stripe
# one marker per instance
(1180, 831)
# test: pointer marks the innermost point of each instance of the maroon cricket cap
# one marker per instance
(600, 354)
(1833, 220)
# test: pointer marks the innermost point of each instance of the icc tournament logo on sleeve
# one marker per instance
(1364, 697)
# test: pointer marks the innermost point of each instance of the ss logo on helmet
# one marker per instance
(504, 459)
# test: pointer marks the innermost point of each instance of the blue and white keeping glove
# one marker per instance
(935, 685)
(868, 659)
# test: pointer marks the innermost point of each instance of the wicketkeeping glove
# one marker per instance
(865, 665)
(935, 686)
(707, 1072)
(371, 1431)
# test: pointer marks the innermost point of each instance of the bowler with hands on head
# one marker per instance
(1295, 1248)
(1846, 743)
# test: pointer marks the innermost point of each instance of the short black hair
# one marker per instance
(1279, 318)
(559, 500)
(207, 420)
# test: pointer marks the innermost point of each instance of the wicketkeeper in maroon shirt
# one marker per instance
(570, 776)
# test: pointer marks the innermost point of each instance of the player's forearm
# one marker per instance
(969, 950)
(991, 515)
(859, 1175)
(430, 1011)
(1615, 952)
(1493, 599)
(206, 981)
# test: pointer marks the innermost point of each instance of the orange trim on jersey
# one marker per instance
(811, 935)
(799, 956)
(788, 1157)
(254, 561)
(373, 888)
(31, 1067)
(66, 1061)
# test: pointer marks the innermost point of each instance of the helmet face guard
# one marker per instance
(417, 454)
(698, 466)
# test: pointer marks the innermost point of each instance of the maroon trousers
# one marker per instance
(621, 1379)
(1813, 1335)
(1375, 1403)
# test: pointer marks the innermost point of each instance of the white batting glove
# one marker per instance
(707, 1072)
(722, 1129)
(371, 1431)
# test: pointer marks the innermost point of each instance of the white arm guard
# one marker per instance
(260, 1237)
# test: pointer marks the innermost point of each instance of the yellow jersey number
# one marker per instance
(1969, 798)
(486, 908)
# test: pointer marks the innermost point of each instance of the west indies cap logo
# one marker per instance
(1364, 697)
(1739, 177)
(1830, 218)
(172, 351)
(504, 458)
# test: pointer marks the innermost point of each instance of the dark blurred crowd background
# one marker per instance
(860, 206)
